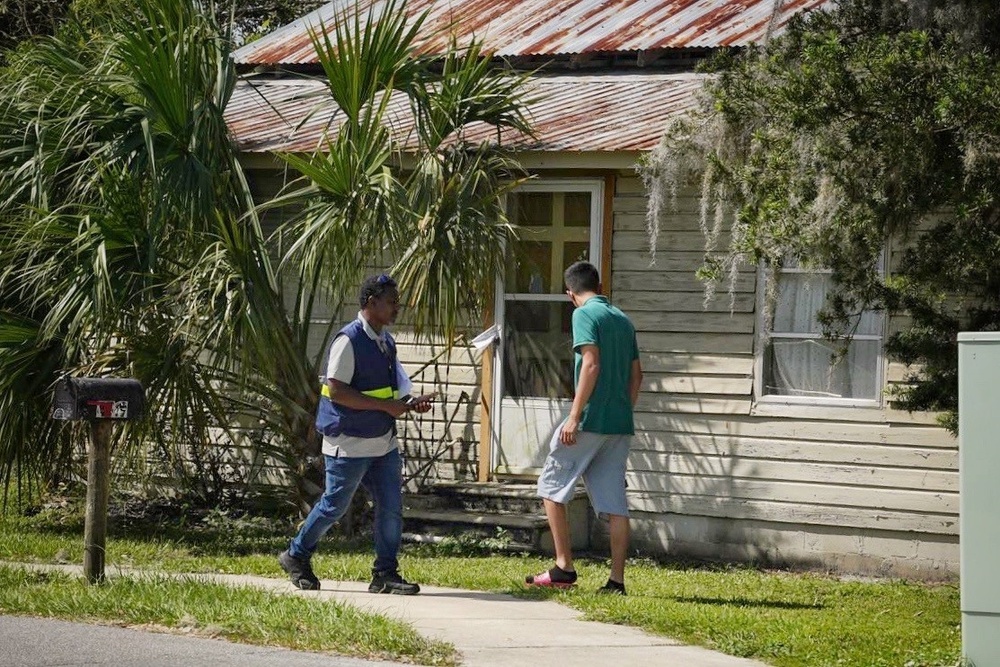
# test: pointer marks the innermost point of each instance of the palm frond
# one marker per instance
(116, 172)
(464, 87)
(443, 217)
(459, 235)
(365, 62)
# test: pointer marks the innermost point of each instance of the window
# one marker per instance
(797, 364)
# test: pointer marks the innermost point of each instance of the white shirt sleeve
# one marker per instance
(341, 363)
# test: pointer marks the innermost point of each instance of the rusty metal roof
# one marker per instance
(511, 28)
(573, 113)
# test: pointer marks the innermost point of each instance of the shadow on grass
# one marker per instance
(744, 602)
(538, 594)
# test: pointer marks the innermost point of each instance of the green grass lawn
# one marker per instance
(215, 610)
(784, 619)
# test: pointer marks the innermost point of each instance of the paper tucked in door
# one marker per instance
(486, 338)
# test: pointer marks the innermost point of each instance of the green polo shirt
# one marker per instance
(597, 322)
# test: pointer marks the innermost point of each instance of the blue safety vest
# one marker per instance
(374, 375)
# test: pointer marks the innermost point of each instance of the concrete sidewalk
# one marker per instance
(491, 629)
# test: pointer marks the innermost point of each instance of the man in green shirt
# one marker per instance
(594, 440)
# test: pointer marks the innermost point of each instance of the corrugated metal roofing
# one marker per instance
(512, 28)
(573, 113)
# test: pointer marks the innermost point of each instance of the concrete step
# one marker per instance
(525, 532)
(483, 497)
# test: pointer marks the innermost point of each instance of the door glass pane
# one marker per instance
(538, 350)
(574, 251)
(532, 209)
(554, 230)
(577, 209)
(531, 270)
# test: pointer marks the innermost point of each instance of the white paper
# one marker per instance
(403, 383)
(486, 338)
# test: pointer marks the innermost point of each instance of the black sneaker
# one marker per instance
(393, 583)
(611, 588)
(299, 571)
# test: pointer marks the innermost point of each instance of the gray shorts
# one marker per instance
(597, 457)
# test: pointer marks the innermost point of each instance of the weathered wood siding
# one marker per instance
(443, 444)
(714, 474)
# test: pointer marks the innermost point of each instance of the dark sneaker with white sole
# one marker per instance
(299, 571)
(392, 583)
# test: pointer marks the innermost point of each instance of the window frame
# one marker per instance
(595, 186)
(761, 342)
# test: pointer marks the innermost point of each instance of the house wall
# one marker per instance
(443, 444)
(715, 475)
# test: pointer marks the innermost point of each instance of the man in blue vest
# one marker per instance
(366, 390)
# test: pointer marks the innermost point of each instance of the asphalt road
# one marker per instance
(40, 642)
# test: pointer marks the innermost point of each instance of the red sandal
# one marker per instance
(545, 580)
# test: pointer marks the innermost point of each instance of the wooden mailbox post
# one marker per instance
(101, 401)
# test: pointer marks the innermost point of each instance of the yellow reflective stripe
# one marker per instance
(384, 392)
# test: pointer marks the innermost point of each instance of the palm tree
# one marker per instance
(117, 173)
(423, 196)
(129, 244)
(442, 219)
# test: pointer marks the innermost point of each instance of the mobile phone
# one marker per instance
(413, 400)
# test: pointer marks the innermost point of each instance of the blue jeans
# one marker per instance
(382, 476)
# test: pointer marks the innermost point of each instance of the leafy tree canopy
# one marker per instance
(874, 125)
(253, 18)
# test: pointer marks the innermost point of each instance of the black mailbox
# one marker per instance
(98, 398)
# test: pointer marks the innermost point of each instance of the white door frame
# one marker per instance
(596, 187)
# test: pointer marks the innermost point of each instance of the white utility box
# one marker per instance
(979, 505)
